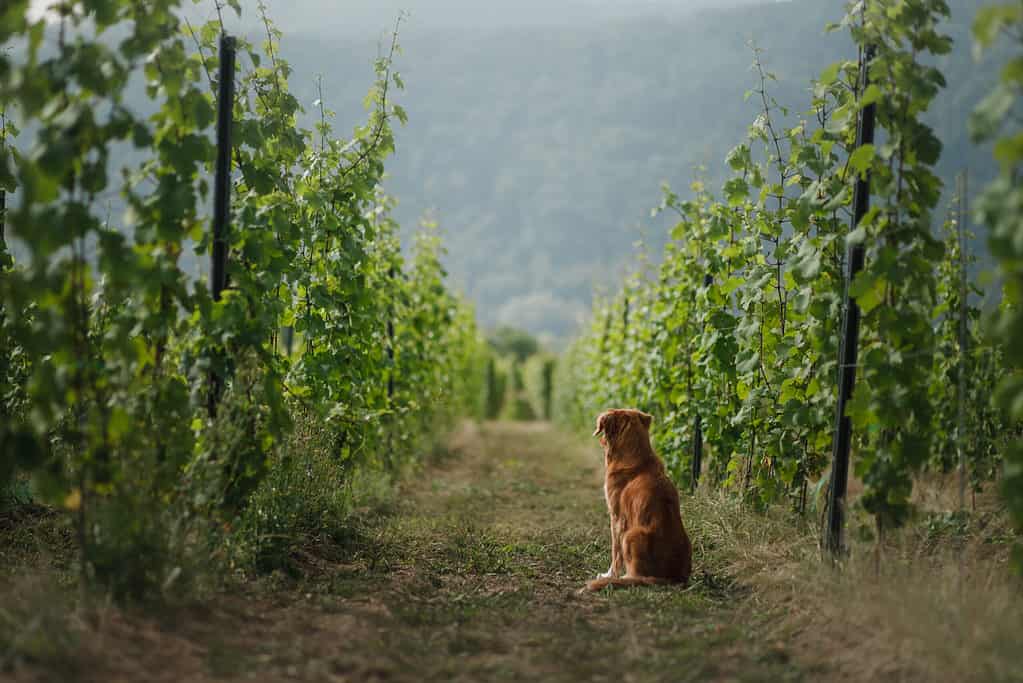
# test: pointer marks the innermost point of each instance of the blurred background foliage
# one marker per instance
(541, 134)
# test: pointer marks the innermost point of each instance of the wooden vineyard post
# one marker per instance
(848, 350)
(222, 192)
(697, 466)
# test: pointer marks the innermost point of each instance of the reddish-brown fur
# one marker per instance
(647, 536)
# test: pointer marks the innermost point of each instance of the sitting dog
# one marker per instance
(647, 536)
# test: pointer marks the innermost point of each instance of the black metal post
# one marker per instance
(697, 451)
(3, 225)
(391, 358)
(697, 465)
(289, 339)
(849, 351)
(222, 180)
(548, 388)
(964, 291)
(222, 191)
(3, 194)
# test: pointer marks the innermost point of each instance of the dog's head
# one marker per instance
(614, 425)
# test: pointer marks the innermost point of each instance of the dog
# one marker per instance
(648, 539)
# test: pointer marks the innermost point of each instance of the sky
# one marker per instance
(341, 17)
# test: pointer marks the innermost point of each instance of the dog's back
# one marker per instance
(649, 507)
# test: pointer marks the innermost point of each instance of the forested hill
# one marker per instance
(540, 146)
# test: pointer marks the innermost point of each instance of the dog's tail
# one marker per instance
(625, 582)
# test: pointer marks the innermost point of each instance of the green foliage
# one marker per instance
(980, 362)
(511, 392)
(516, 405)
(997, 120)
(544, 206)
(509, 341)
(538, 379)
(306, 493)
(496, 379)
(739, 326)
(896, 289)
(108, 344)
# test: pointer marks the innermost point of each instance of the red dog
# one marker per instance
(647, 535)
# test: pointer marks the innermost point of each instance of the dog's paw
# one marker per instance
(606, 575)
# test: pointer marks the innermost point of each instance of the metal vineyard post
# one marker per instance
(848, 352)
(222, 190)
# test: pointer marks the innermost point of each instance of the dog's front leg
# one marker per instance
(617, 560)
(616, 555)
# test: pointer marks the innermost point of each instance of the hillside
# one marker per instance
(540, 150)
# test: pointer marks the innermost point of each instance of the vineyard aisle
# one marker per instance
(469, 573)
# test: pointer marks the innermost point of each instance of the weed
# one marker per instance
(36, 626)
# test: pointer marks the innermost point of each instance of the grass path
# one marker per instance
(469, 573)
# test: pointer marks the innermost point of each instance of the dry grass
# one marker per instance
(469, 573)
(934, 602)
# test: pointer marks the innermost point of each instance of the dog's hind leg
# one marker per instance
(637, 553)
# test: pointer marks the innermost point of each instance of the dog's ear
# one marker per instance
(608, 424)
(646, 420)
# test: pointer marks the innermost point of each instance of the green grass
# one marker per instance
(469, 570)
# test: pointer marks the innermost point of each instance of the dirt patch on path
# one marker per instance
(469, 575)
